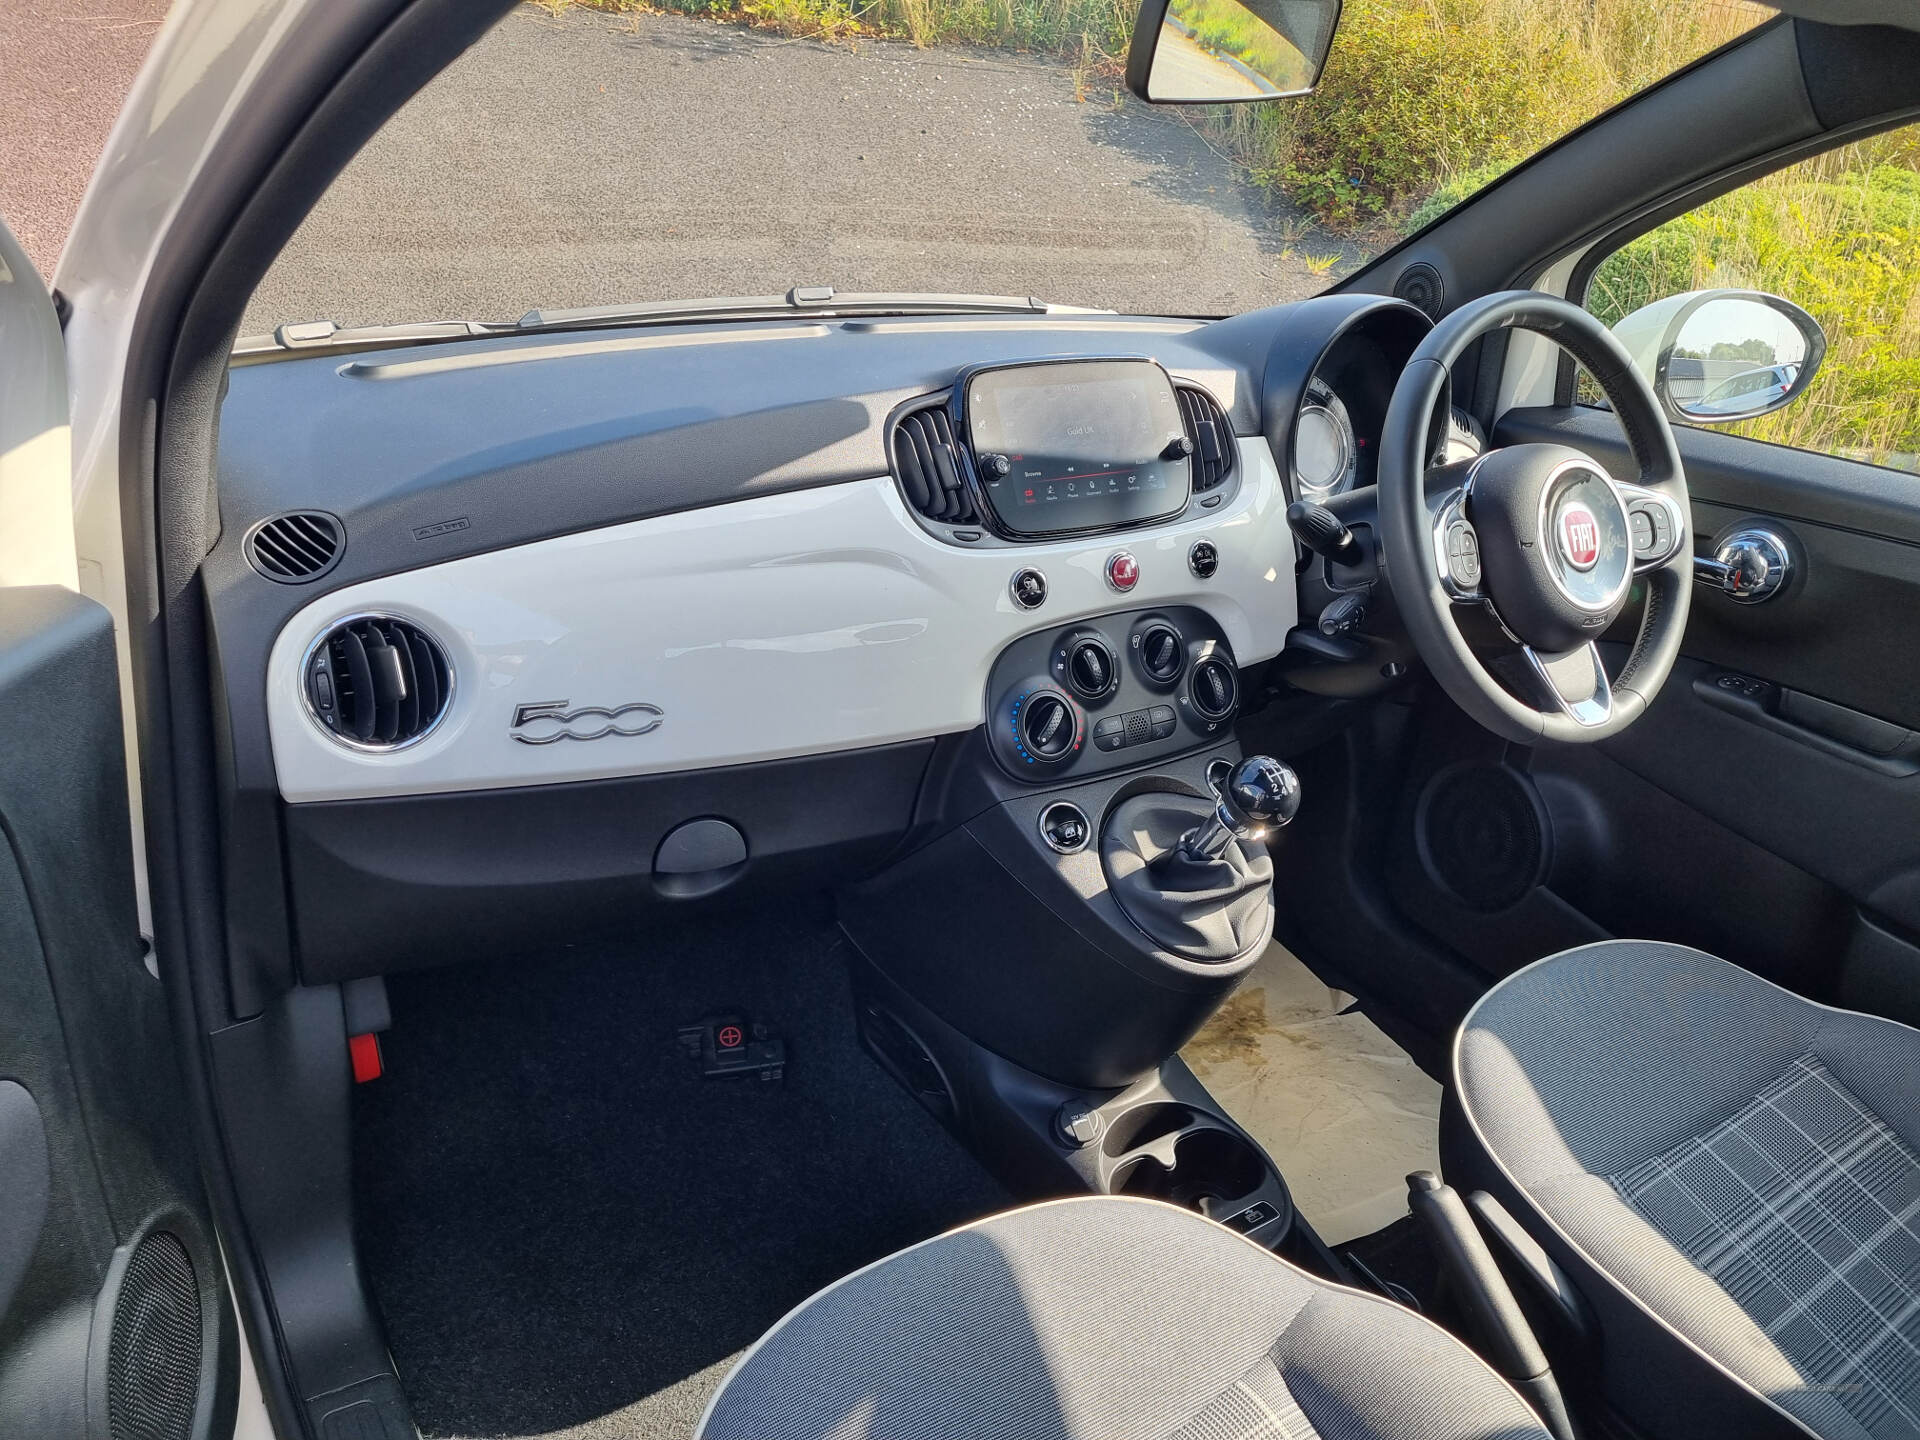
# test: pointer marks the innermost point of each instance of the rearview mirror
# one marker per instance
(1716, 356)
(1220, 52)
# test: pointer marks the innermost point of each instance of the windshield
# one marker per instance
(582, 156)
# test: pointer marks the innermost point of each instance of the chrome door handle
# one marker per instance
(1747, 567)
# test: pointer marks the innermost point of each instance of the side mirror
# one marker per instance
(1716, 356)
(1219, 52)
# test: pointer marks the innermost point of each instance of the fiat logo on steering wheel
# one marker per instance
(1579, 536)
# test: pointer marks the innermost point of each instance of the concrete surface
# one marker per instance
(65, 66)
(1342, 1110)
(589, 159)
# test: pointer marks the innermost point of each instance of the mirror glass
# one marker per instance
(1220, 51)
(1734, 358)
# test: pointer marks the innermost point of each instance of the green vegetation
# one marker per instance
(1227, 27)
(1838, 235)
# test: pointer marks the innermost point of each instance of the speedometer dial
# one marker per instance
(1325, 455)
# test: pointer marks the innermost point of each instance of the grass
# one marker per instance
(1838, 235)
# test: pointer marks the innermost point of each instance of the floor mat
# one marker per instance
(1343, 1111)
(569, 1233)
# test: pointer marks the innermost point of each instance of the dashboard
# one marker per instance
(624, 579)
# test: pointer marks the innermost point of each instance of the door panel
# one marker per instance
(114, 1316)
(1776, 823)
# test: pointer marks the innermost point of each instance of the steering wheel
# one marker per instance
(1540, 535)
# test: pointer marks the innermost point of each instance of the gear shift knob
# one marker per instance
(1261, 795)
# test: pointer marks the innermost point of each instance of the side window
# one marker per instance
(1837, 236)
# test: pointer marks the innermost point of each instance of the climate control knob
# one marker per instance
(1161, 653)
(1092, 672)
(1214, 689)
(1047, 726)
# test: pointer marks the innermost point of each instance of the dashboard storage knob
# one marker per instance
(1092, 672)
(1214, 690)
(1047, 727)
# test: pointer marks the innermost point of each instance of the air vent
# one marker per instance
(294, 548)
(378, 683)
(926, 457)
(1212, 435)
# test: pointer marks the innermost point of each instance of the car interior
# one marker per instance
(696, 854)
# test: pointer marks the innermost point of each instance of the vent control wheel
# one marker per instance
(1091, 670)
(1214, 689)
(1162, 653)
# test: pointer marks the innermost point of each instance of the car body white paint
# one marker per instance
(796, 624)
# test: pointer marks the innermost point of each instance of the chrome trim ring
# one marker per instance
(1546, 530)
(1086, 828)
(348, 742)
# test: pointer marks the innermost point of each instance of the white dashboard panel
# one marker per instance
(791, 624)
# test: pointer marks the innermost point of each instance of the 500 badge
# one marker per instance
(545, 721)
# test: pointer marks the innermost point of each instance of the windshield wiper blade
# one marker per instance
(800, 300)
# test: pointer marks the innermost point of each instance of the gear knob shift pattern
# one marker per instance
(1260, 795)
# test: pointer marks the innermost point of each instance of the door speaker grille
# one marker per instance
(153, 1356)
(1484, 835)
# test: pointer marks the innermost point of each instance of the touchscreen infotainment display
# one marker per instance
(1078, 444)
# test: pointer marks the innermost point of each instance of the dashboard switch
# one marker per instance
(1123, 571)
(1063, 825)
(1203, 559)
(1029, 588)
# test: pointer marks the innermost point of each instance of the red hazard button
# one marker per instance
(730, 1037)
(1123, 571)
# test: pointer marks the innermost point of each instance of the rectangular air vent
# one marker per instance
(1212, 435)
(926, 457)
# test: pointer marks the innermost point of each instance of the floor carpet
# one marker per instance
(570, 1233)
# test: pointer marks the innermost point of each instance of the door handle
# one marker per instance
(1748, 566)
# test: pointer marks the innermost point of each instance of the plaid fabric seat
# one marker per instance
(1729, 1173)
(1805, 1208)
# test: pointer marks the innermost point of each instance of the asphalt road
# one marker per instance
(588, 159)
(65, 66)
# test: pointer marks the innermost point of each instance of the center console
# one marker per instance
(1090, 886)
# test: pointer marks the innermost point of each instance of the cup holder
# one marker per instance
(1211, 1169)
(1143, 1125)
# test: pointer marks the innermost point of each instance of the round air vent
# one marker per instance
(153, 1350)
(296, 547)
(377, 683)
(1420, 286)
(1215, 688)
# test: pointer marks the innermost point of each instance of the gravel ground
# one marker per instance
(65, 66)
(585, 159)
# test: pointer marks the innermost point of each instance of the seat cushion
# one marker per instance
(1106, 1319)
(1731, 1167)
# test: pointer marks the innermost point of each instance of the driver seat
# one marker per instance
(1727, 1172)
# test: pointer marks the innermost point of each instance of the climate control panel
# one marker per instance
(1111, 692)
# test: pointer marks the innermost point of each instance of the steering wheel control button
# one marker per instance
(1203, 559)
(1029, 588)
(1463, 555)
(1063, 825)
(1123, 571)
(1077, 1124)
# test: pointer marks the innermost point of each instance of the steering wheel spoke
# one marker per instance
(1574, 683)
